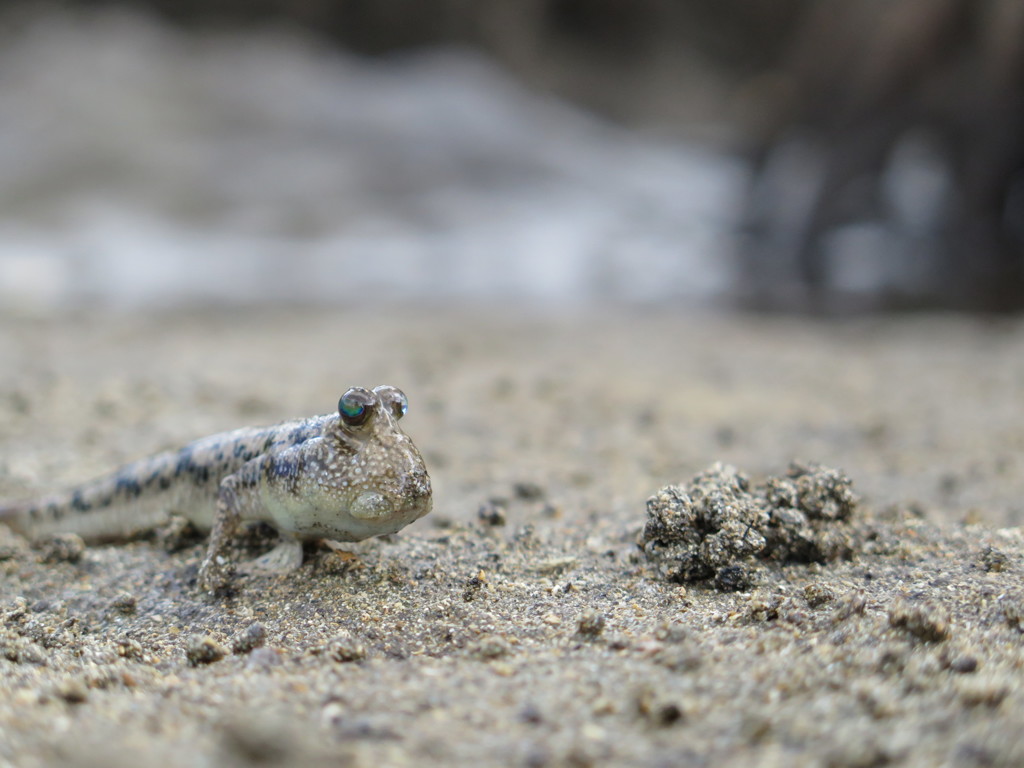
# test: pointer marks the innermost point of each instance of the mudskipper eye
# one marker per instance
(393, 398)
(355, 406)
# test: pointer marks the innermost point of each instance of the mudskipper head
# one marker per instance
(385, 479)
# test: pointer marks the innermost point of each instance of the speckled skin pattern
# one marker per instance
(345, 476)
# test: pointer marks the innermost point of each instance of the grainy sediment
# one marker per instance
(521, 623)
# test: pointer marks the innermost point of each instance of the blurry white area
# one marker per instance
(917, 184)
(860, 257)
(894, 253)
(140, 165)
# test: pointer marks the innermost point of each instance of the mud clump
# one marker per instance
(719, 524)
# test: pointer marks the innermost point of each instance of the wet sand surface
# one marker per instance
(520, 623)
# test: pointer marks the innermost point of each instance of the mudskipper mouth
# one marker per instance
(411, 502)
(371, 506)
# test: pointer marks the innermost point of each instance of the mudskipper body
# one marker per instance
(345, 476)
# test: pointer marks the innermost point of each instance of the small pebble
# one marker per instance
(927, 621)
(30, 654)
(818, 595)
(63, 548)
(344, 649)
(473, 587)
(528, 491)
(658, 711)
(983, 691)
(849, 605)
(177, 535)
(1013, 611)
(590, 623)
(678, 658)
(72, 690)
(964, 664)
(856, 753)
(764, 609)
(993, 560)
(203, 649)
(492, 514)
(490, 647)
(128, 648)
(734, 578)
(126, 604)
(531, 714)
(618, 642)
(672, 632)
(249, 639)
(550, 511)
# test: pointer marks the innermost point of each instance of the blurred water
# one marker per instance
(143, 166)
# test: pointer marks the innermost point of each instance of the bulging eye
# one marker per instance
(393, 398)
(356, 405)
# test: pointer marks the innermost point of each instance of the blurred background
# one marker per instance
(800, 155)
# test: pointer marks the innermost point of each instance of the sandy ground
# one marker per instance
(537, 634)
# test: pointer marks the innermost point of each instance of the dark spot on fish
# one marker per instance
(184, 462)
(54, 511)
(165, 483)
(248, 475)
(78, 503)
(279, 468)
(284, 471)
(127, 485)
(200, 473)
(34, 512)
(295, 436)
